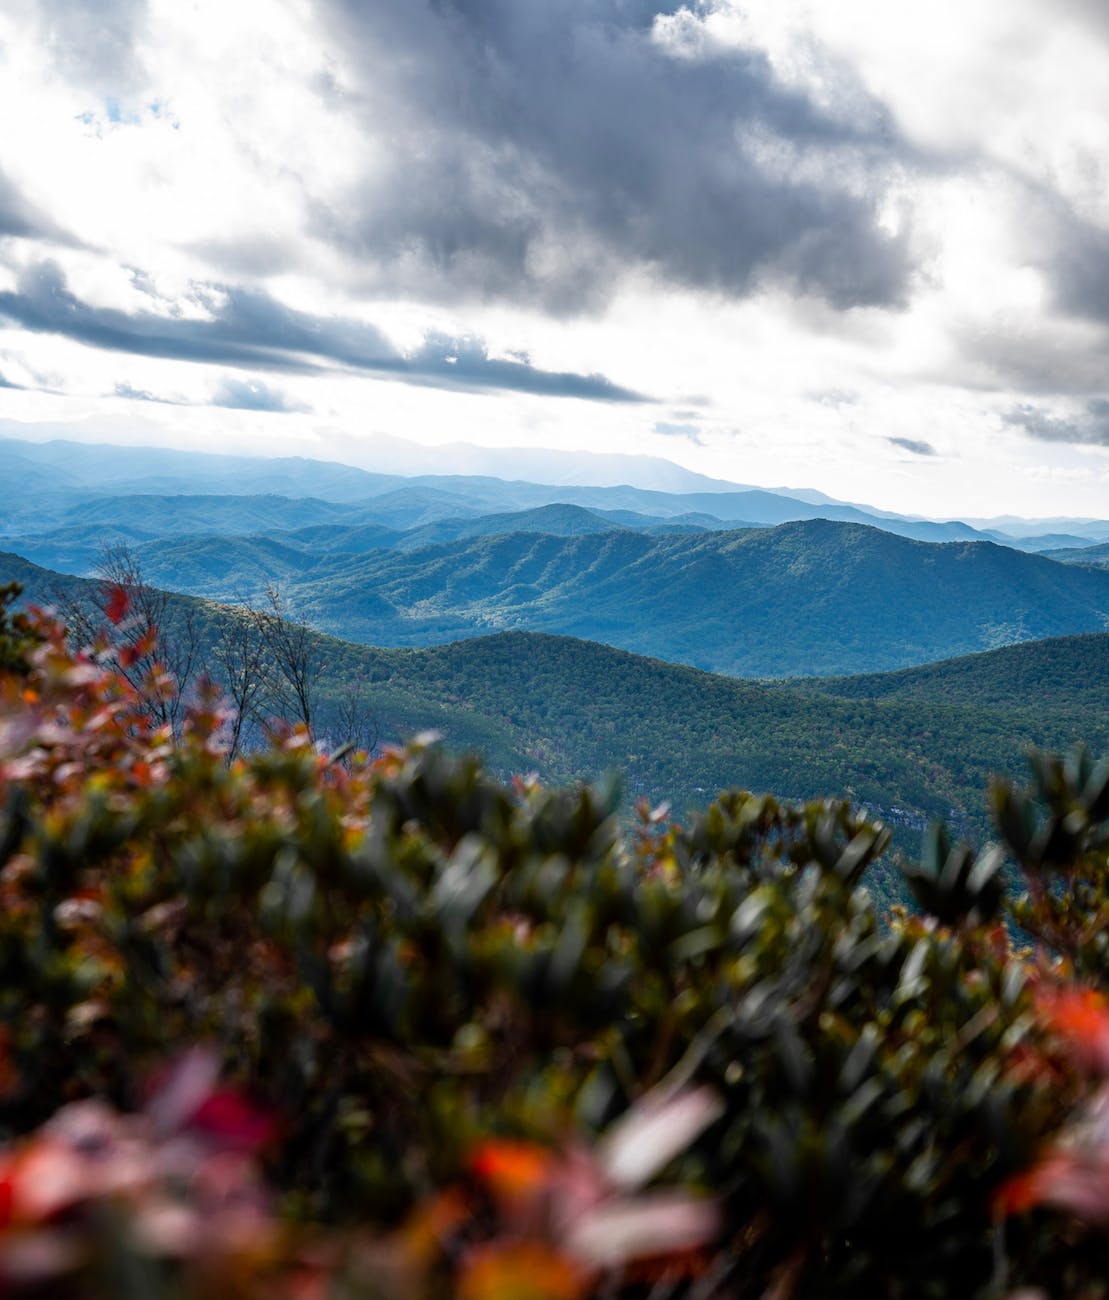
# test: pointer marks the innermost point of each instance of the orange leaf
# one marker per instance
(521, 1270)
(432, 1224)
(1081, 1016)
(512, 1170)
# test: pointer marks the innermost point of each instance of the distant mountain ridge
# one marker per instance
(809, 598)
(1095, 556)
(56, 477)
(714, 579)
(815, 597)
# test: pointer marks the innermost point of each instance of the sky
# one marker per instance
(859, 247)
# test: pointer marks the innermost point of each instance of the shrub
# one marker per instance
(406, 964)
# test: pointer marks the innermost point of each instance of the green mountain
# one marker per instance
(224, 568)
(812, 598)
(809, 598)
(692, 522)
(174, 515)
(1095, 556)
(1060, 672)
(1044, 543)
(222, 546)
(571, 709)
(556, 520)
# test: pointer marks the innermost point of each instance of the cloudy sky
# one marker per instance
(861, 247)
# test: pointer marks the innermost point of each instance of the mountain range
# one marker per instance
(712, 579)
(809, 598)
(572, 629)
(910, 745)
(58, 480)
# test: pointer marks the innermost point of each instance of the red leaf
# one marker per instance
(226, 1117)
(1081, 1017)
(118, 604)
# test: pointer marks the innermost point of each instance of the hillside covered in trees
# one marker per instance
(571, 710)
(809, 598)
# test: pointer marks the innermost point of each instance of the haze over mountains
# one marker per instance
(57, 480)
(745, 582)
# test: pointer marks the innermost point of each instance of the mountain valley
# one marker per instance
(574, 631)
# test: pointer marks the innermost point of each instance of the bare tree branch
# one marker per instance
(156, 643)
(239, 660)
(353, 722)
(293, 661)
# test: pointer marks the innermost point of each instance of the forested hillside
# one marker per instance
(800, 599)
(1095, 556)
(575, 710)
(1058, 672)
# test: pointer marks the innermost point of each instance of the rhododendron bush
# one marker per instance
(288, 1026)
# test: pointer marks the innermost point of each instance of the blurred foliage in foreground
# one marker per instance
(292, 1027)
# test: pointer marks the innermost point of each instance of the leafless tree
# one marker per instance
(354, 725)
(152, 635)
(239, 664)
(266, 660)
(292, 659)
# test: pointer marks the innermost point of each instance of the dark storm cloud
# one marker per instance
(465, 363)
(917, 446)
(253, 395)
(1081, 267)
(245, 328)
(250, 329)
(1090, 428)
(527, 150)
(16, 217)
(1066, 247)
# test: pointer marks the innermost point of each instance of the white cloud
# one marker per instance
(178, 153)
